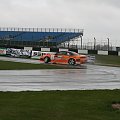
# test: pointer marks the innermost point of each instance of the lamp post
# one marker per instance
(81, 41)
(108, 43)
(94, 43)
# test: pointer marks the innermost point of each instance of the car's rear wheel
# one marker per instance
(71, 61)
(46, 60)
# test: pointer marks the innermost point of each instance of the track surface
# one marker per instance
(20, 60)
(94, 77)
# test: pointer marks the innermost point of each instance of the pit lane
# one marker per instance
(94, 77)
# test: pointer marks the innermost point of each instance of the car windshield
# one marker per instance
(62, 53)
(67, 53)
(73, 53)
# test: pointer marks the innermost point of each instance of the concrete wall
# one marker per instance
(99, 52)
(102, 52)
(28, 48)
(62, 49)
(118, 53)
(83, 51)
(45, 49)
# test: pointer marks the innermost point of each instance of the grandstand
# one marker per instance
(37, 37)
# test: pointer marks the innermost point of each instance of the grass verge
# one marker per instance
(59, 105)
(108, 60)
(100, 60)
(8, 65)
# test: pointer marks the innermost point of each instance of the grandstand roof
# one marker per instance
(41, 29)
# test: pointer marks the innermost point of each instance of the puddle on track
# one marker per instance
(94, 77)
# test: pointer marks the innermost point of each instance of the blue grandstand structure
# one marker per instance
(37, 37)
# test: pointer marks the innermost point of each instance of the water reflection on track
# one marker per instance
(94, 77)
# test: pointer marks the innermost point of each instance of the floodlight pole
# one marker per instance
(81, 41)
(108, 43)
(94, 43)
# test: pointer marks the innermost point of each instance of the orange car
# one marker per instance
(64, 57)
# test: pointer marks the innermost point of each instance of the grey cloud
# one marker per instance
(115, 3)
(99, 18)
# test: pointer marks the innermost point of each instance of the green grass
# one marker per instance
(7, 65)
(102, 59)
(59, 105)
(108, 59)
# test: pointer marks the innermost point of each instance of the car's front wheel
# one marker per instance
(46, 60)
(71, 61)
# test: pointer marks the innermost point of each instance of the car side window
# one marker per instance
(62, 53)
(68, 53)
(59, 53)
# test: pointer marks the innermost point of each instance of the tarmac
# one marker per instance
(89, 78)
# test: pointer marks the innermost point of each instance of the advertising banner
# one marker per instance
(36, 55)
(18, 52)
(2, 51)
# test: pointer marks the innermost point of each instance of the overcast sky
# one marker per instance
(98, 18)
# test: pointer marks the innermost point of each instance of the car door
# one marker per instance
(60, 57)
(65, 58)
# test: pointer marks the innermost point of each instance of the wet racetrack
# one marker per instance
(93, 77)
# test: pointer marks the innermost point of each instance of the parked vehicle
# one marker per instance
(64, 57)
